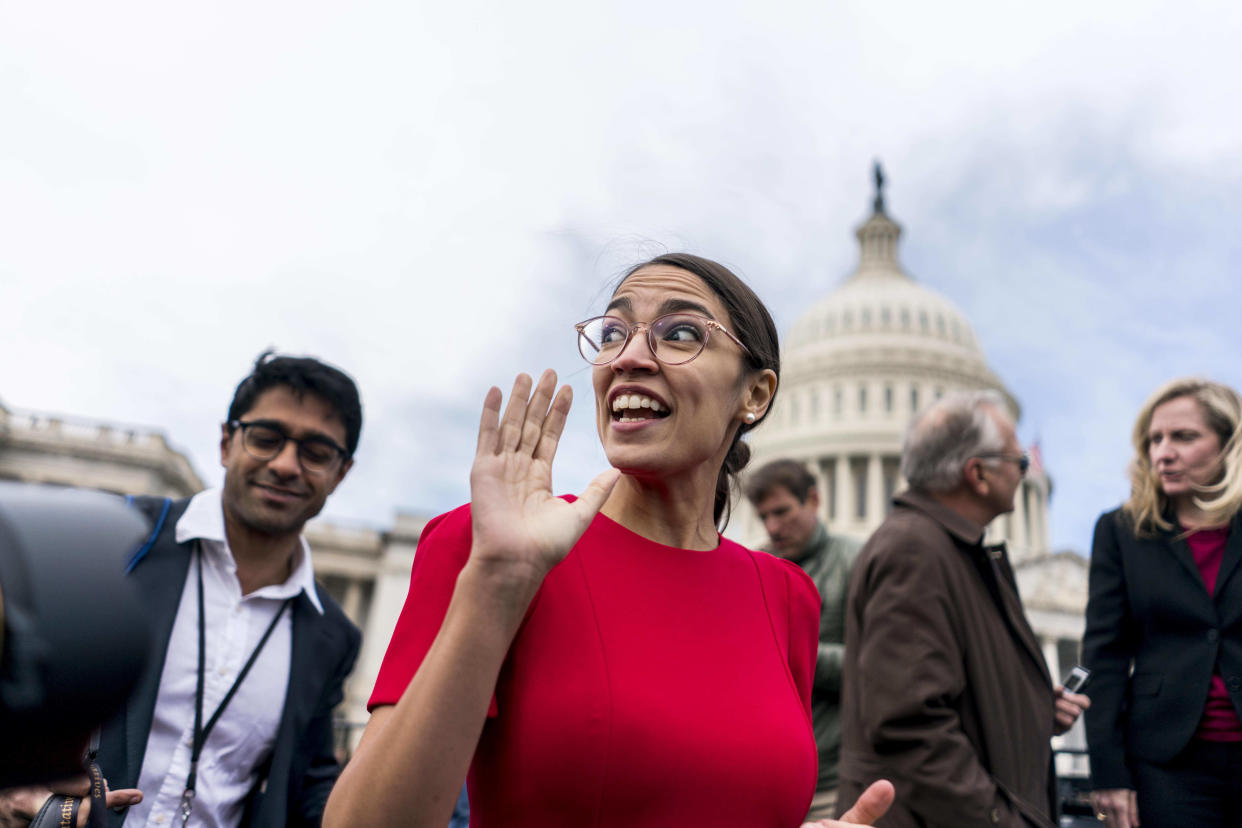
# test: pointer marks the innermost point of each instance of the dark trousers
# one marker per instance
(1201, 787)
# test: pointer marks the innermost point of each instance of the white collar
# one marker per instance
(203, 519)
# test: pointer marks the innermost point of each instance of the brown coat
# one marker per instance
(945, 689)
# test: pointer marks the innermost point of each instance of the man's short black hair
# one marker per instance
(302, 375)
(789, 474)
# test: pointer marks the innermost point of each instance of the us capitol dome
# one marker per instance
(854, 369)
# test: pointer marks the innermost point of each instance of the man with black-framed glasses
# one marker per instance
(232, 723)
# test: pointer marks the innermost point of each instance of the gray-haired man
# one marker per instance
(945, 689)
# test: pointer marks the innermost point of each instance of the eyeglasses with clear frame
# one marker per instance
(674, 338)
(1023, 460)
(264, 441)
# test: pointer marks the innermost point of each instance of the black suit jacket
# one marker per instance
(300, 772)
(1148, 606)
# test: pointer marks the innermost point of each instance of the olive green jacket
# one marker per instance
(828, 559)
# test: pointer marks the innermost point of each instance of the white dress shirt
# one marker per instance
(243, 737)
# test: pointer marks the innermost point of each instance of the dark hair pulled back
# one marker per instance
(750, 322)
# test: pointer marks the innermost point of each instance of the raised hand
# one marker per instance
(519, 526)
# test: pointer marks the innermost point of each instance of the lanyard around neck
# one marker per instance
(200, 732)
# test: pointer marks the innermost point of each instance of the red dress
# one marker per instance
(648, 685)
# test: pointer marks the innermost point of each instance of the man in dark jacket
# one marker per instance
(945, 690)
(232, 722)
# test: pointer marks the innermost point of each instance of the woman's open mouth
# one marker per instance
(635, 408)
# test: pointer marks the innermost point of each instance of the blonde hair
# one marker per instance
(1220, 501)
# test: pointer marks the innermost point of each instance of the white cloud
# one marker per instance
(430, 195)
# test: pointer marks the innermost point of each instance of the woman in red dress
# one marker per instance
(607, 660)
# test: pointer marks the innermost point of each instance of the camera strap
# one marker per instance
(200, 732)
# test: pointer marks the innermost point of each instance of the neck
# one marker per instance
(966, 505)
(818, 535)
(671, 512)
(262, 559)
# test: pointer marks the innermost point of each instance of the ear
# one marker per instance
(757, 395)
(340, 475)
(226, 442)
(812, 498)
(975, 476)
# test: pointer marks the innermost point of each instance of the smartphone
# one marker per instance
(1076, 679)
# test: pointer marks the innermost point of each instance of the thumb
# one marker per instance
(593, 496)
(873, 804)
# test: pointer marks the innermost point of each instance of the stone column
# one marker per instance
(1039, 519)
(353, 602)
(821, 484)
(840, 482)
(875, 490)
(1021, 539)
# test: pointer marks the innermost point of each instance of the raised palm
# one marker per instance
(516, 519)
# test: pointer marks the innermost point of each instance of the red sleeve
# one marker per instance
(443, 548)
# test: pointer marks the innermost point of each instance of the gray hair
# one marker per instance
(950, 431)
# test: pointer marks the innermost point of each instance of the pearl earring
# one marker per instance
(750, 416)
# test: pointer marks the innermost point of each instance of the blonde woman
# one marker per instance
(1164, 620)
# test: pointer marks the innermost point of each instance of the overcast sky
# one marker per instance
(429, 195)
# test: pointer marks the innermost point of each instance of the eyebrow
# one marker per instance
(673, 305)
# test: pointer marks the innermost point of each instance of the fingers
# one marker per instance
(1116, 807)
(873, 804)
(1119, 813)
(530, 424)
(1078, 700)
(554, 425)
(537, 413)
(593, 496)
(124, 797)
(19, 805)
(1069, 707)
(515, 414)
(118, 798)
(489, 423)
(1082, 702)
(1104, 806)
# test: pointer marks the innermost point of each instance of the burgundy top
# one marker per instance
(648, 685)
(1220, 722)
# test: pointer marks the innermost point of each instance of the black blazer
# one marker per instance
(1148, 606)
(302, 768)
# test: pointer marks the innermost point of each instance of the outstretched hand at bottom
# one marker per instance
(873, 804)
(18, 806)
